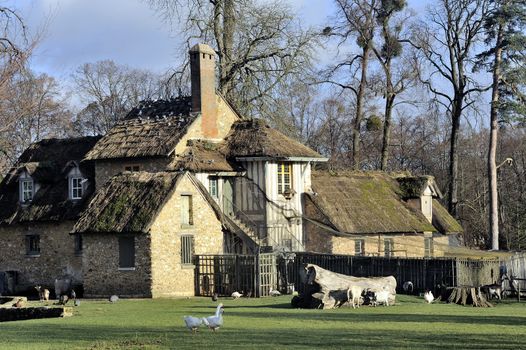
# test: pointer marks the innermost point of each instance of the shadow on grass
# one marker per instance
(93, 336)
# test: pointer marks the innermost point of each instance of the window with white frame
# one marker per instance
(76, 187)
(212, 187)
(359, 245)
(284, 177)
(187, 249)
(26, 190)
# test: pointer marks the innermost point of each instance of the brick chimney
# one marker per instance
(202, 67)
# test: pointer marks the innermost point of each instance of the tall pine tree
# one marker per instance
(505, 58)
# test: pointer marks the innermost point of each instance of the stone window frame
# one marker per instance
(79, 244)
(30, 190)
(78, 188)
(359, 243)
(388, 247)
(429, 249)
(284, 174)
(187, 214)
(120, 242)
(33, 245)
(187, 250)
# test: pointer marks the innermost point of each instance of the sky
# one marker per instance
(126, 31)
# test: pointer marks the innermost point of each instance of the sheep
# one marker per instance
(381, 297)
(354, 294)
(43, 294)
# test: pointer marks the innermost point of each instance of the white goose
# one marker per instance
(192, 323)
(214, 322)
(274, 293)
(236, 295)
(428, 296)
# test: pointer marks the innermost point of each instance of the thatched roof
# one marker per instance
(48, 163)
(414, 186)
(128, 202)
(443, 220)
(254, 138)
(152, 129)
(364, 203)
(205, 156)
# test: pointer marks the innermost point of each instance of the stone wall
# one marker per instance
(57, 256)
(102, 276)
(104, 169)
(169, 276)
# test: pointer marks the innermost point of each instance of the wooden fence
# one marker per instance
(256, 274)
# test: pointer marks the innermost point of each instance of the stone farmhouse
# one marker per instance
(126, 212)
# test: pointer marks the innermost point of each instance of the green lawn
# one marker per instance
(272, 324)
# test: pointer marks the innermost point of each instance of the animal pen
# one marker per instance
(254, 275)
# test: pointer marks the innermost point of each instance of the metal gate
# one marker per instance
(267, 274)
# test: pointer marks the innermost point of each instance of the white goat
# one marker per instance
(354, 294)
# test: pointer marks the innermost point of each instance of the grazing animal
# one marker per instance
(193, 323)
(408, 287)
(43, 294)
(114, 299)
(381, 297)
(215, 321)
(19, 303)
(274, 293)
(354, 294)
(215, 297)
(236, 295)
(428, 296)
(63, 299)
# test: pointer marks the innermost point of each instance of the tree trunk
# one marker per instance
(492, 152)
(456, 113)
(389, 102)
(359, 109)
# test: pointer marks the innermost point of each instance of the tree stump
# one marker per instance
(468, 295)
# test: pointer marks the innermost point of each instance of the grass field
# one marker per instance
(271, 323)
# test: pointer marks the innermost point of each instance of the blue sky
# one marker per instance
(126, 31)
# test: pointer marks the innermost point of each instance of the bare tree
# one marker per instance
(446, 44)
(355, 19)
(109, 91)
(258, 43)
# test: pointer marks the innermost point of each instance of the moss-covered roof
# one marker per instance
(414, 186)
(443, 220)
(152, 129)
(205, 156)
(128, 202)
(47, 162)
(254, 138)
(365, 203)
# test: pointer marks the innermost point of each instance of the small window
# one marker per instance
(359, 246)
(187, 249)
(186, 210)
(428, 247)
(26, 190)
(33, 245)
(284, 177)
(212, 187)
(78, 245)
(126, 252)
(388, 247)
(132, 168)
(76, 187)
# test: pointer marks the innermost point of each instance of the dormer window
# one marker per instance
(26, 190)
(76, 187)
